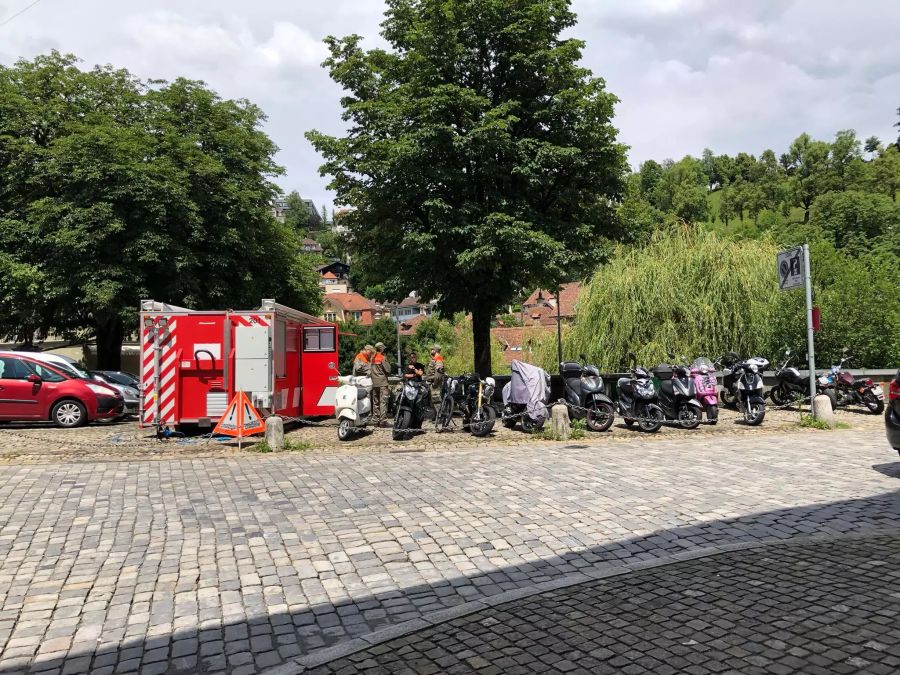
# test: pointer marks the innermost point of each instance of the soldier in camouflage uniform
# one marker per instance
(434, 374)
(380, 392)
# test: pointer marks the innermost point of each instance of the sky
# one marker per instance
(690, 74)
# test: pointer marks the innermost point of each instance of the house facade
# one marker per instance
(349, 307)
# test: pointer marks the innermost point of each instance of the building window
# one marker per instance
(356, 316)
(330, 316)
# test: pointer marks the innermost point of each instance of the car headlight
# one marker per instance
(131, 393)
(100, 390)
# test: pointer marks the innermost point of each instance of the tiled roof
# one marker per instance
(351, 302)
(408, 326)
(568, 298)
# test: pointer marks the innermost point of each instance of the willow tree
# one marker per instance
(480, 158)
(690, 291)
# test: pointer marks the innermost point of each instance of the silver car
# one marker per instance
(118, 380)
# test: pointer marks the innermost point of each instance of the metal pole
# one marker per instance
(810, 349)
(399, 358)
(558, 329)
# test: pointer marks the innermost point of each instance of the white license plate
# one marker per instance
(878, 391)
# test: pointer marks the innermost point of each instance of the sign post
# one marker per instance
(793, 272)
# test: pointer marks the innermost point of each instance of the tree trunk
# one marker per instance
(110, 334)
(481, 339)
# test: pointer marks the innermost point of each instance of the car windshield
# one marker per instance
(70, 369)
(118, 378)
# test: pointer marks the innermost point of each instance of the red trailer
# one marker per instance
(193, 363)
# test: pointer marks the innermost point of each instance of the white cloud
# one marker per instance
(690, 73)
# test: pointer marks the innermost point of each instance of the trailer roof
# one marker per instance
(265, 306)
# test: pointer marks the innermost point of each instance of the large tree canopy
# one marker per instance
(114, 189)
(480, 157)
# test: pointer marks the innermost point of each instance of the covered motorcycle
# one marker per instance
(526, 394)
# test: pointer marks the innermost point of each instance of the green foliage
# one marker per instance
(810, 422)
(116, 190)
(856, 219)
(480, 155)
(509, 320)
(689, 291)
(296, 213)
(297, 444)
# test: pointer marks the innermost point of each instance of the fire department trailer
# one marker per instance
(193, 363)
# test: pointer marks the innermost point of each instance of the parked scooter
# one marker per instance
(863, 392)
(585, 395)
(791, 384)
(729, 393)
(638, 401)
(525, 397)
(352, 404)
(706, 389)
(676, 395)
(412, 406)
(749, 382)
(470, 396)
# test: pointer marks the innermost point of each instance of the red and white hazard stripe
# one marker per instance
(251, 320)
(159, 400)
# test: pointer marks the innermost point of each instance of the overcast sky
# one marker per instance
(690, 73)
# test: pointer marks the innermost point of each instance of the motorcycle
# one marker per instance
(638, 401)
(749, 382)
(791, 384)
(729, 393)
(412, 406)
(352, 404)
(706, 389)
(525, 397)
(585, 395)
(676, 395)
(471, 396)
(850, 390)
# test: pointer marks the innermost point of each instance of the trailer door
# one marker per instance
(318, 370)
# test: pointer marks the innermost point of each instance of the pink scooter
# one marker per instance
(706, 389)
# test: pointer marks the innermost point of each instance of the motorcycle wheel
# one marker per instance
(529, 425)
(402, 422)
(832, 396)
(600, 417)
(778, 395)
(652, 418)
(482, 422)
(445, 414)
(345, 430)
(756, 413)
(873, 404)
(728, 399)
(688, 417)
(712, 414)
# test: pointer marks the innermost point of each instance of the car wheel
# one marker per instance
(69, 414)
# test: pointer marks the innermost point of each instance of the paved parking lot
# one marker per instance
(238, 564)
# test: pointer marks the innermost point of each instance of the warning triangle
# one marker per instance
(240, 419)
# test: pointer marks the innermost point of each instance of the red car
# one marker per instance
(31, 389)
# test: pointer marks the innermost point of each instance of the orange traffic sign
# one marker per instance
(240, 419)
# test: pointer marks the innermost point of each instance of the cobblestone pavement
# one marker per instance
(815, 608)
(237, 564)
(29, 443)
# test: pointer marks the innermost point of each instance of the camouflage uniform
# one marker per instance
(434, 376)
(380, 391)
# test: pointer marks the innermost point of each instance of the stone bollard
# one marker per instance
(822, 410)
(559, 422)
(275, 433)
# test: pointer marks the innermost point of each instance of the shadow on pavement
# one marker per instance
(267, 639)
(891, 469)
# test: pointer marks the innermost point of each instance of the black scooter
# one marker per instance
(585, 395)
(677, 395)
(638, 401)
(749, 383)
(412, 406)
(792, 385)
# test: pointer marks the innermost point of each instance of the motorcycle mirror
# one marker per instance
(583, 358)
(787, 352)
(631, 357)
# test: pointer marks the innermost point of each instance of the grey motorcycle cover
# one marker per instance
(529, 386)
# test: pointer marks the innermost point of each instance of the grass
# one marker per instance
(546, 434)
(810, 422)
(290, 445)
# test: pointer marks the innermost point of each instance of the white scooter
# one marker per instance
(352, 404)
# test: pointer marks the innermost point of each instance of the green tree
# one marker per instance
(856, 218)
(651, 173)
(481, 156)
(296, 213)
(872, 146)
(116, 190)
(885, 172)
(324, 215)
(807, 165)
